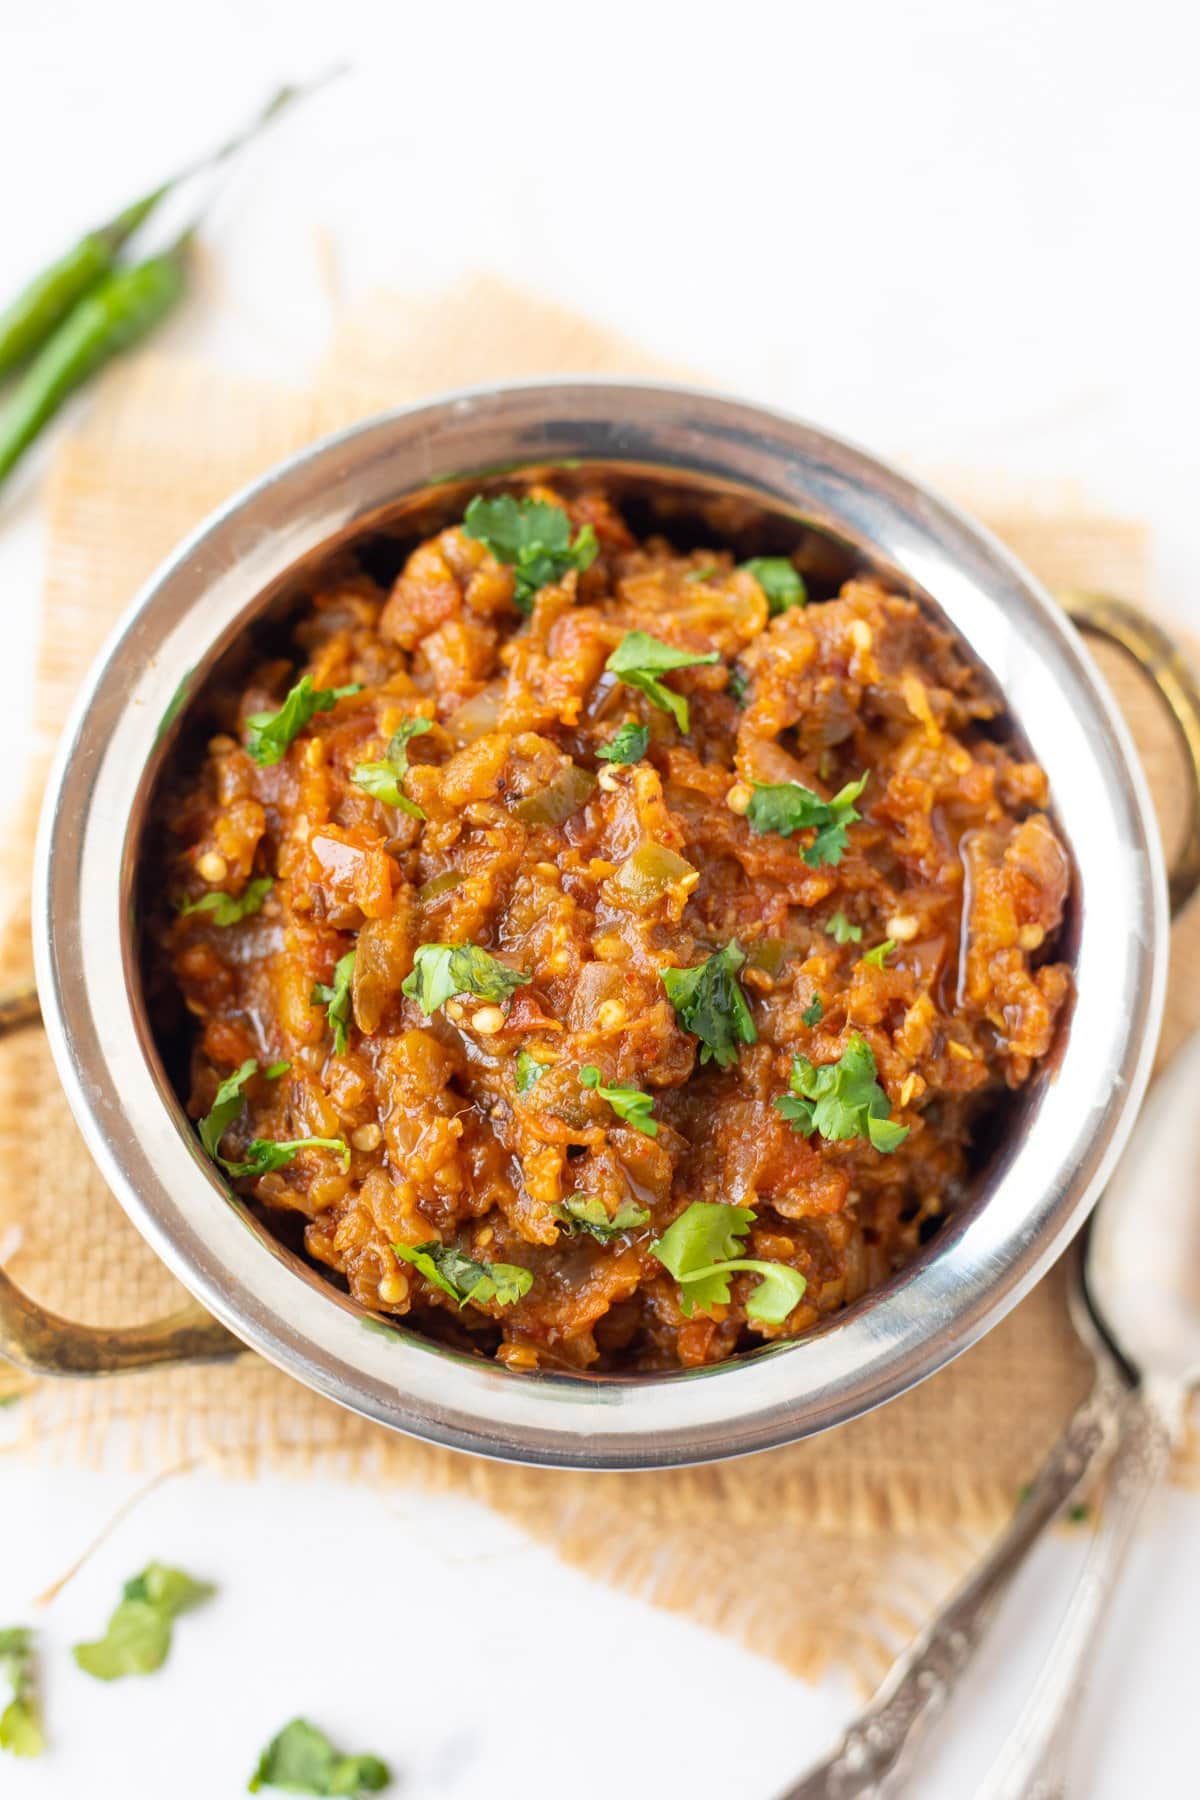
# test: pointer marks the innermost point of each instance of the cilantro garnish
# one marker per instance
(709, 1002)
(701, 1251)
(225, 909)
(440, 971)
(628, 744)
(580, 1215)
(814, 1012)
(384, 780)
(337, 1000)
(736, 686)
(531, 536)
(21, 1719)
(788, 806)
(842, 1100)
(464, 1279)
(301, 1760)
(529, 1071)
(880, 953)
(269, 734)
(780, 581)
(264, 1154)
(629, 1103)
(842, 931)
(704, 573)
(640, 659)
(138, 1636)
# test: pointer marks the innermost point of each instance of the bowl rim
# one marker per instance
(895, 1337)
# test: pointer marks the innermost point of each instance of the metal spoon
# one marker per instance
(1135, 1288)
(1142, 1281)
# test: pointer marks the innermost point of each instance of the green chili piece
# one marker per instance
(125, 307)
(42, 305)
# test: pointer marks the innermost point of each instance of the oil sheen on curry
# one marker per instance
(602, 956)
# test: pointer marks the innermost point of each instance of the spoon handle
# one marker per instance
(1032, 1763)
(881, 1739)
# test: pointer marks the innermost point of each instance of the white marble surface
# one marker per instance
(960, 234)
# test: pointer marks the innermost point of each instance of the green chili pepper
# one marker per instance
(36, 312)
(49, 297)
(125, 306)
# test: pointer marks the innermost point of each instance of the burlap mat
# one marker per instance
(830, 1551)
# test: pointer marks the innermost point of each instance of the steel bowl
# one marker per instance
(742, 464)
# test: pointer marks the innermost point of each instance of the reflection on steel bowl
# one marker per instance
(597, 949)
(669, 859)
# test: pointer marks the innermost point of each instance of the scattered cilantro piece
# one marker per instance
(229, 911)
(21, 1719)
(842, 1100)
(628, 744)
(226, 1107)
(529, 1071)
(337, 1000)
(788, 806)
(269, 734)
(301, 1760)
(701, 1251)
(263, 1154)
(640, 659)
(814, 1012)
(463, 1278)
(138, 1636)
(704, 573)
(385, 780)
(578, 1215)
(629, 1103)
(440, 971)
(709, 1002)
(1079, 1514)
(780, 581)
(880, 953)
(531, 536)
(736, 686)
(842, 931)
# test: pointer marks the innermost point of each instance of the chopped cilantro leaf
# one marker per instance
(529, 1071)
(787, 806)
(337, 1001)
(842, 931)
(640, 659)
(880, 953)
(814, 1012)
(263, 1154)
(385, 780)
(842, 1100)
(301, 1760)
(533, 537)
(701, 1251)
(628, 744)
(227, 1106)
(440, 971)
(138, 1635)
(709, 1002)
(269, 734)
(779, 580)
(580, 1215)
(704, 573)
(20, 1718)
(225, 909)
(736, 686)
(464, 1279)
(629, 1103)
